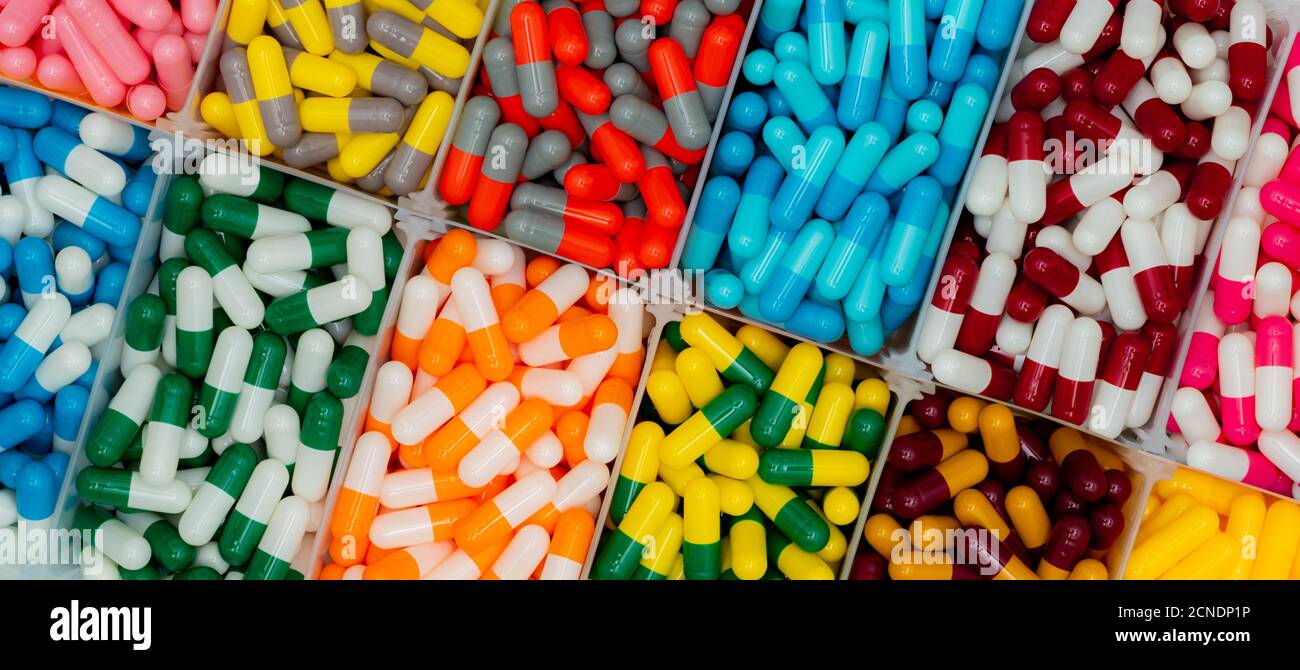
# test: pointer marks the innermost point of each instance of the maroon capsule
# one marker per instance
(921, 494)
(1117, 77)
(1199, 11)
(1036, 90)
(869, 566)
(1066, 504)
(1031, 443)
(982, 551)
(1108, 335)
(890, 478)
(1084, 475)
(996, 493)
(1106, 522)
(1067, 543)
(931, 411)
(1109, 37)
(1118, 487)
(1044, 477)
(917, 451)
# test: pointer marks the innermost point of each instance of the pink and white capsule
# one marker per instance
(1237, 389)
(1194, 416)
(1273, 373)
(1234, 464)
(1282, 449)
(1233, 290)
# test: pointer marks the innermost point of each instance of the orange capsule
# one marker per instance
(571, 428)
(482, 328)
(508, 287)
(522, 427)
(573, 314)
(421, 486)
(541, 307)
(454, 251)
(331, 572)
(392, 392)
(434, 522)
(539, 269)
(494, 487)
(444, 343)
(569, 544)
(435, 407)
(609, 413)
(410, 563)
(498, 517)
(447, 445)
(569, 340)
(470, 565)
(358, 500)
(375, 554)
(599, 290)
(420, 302)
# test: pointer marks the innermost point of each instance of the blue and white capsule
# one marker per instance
(95, 171)
(116, 137)
(23, 353)
(60, 369)
(34, 265)
(96, 214)
(24, 171)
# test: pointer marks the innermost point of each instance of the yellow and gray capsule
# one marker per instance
(310, 23)
(351, 115)
(274, 91)
(461, 18)
(438, 82)
(314, 149)
(419, 44)
(243, 101)
(383, 78)
(319, 75)
(280, 26)
(347, 24)
(413, 157)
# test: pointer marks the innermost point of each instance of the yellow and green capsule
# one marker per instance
(619, 557)
(665, 550)
(734, 497)
(841, 506)
(700, 380)
(729, 357)
(708, 426)
(791, 514)
(768, 347)
(343, 376)
(793, 383)
(872, 394)
(733, 459)
(813, 467)
(669, 396)
(673, 336)
(793, 561)
(838, 545)
(830, 416)
(840, 369)
(865, 432)
(747, 538)
(640, 467)
(678, 478)
(702, 541)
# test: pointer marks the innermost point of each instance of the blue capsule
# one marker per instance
(723, 289)
(826, 40)
(983, 70)
(748, 113)
(20, 108)
(795, 273)
(67, 116)
(749, 230)
(776, 103)
(67, 235)
(69, 410)
(893, 315)
(861, 156)
(121, 254)
(998, 23)
(8, 143)
(757, 270)
(749, 307)
(759, 67)
(911, 227)
(806, 99)
(866, 337)
(87, 378)
(110, 282)
(11, 315)
(913, 292)
(712, 220)
(139, 189)
(34, 265)
(20, 421)
(36, 491)
(904, 162)
(924, 116)
(961, 130)
(58, 462)
(734, 153)
(955, 39)
(934, 9)
(891, 110)
(43, 441)
(863, 301)
(864, 75)
(857, 11)
(907, 48)
(11, 463)
(854, 241)
(799, 192)
(816, 321)
(777, 17)
(940, 92)
(6, 257)
(792, 47)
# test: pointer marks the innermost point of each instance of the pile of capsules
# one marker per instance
(1236, 413)
(830, 223)
(365, 92)
(214, 455)
(1195, 526)
(589, 123)
(506, 399)
(77, 184)
(985, 494)
(768, 467)
(1110, 160)
(137, 54)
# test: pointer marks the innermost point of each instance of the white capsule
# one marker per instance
(1098, 226)
(1084, 25)
(1195, 46)
(1272, 290)
(546, 452)
(1013, 337)
(523, 554)
(1282, 448)
(1141, 24)
(1231, 135)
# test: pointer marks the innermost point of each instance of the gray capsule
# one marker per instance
(627, 193)
(403, 173)
(688, 119)
(623, 79)
(499, 61)
(689, 21)
(312, 149)
(502, 25)
(237, 76)
(634, 209)
(722, 7)
(601, 50)
(634, 44)
(505, 153)
(348, 25)
(539, 198)
(438, 82)
(373, 182)
(391, 80)
(638, 118)
(535, 229)
(477, 120)
(546, 152)
(621, 8)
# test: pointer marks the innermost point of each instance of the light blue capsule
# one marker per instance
(777, 17)
(784, 139)
(6, 257)
(998, 24)
(122, 254)
(43, 441)
(866, 337)
(24, 164)
(723, 289)
(794, 202)
(792, 47)
(863, 301)
(856, 237)
(861, 156)
(748, 113)
(864, 75)
(806, 99)
(983, 70)
(816, 321)
(891, 111)
(934, 9)
(827, 58)
(907, 48)
(758, 67)
(776, 103)
(749, 229)
(911, 228)
(712, 220)
(903, 163)
(924, 116)
(954, 39)
(911, 294)
(857, 11)
(757, 270)
(960, 132)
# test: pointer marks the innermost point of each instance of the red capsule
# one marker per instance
(659, 10)
(1108, 335)
(1051, 272)
(924, 449)
(719, 46)
(1118, 487)
(1155, 118)
(1126, 361)
(1076, 85)
(582, 89)
(1026, 301)
(869, 566)
(566, 121)
(1066, 546)
(890, 479)
(1084, 475)
(614, 148)
(1197, 143)
(1199, 11)
(592, 181)
(568, 36)
(1037, 90)
(1044, 477)
(1065, 504)
(664, 204)
(1047, 18)
(1164, 346)
(627, 244)
(1209, 187)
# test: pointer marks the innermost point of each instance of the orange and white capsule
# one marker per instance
(508, 287)
(452, 252)
(445, 342)
(569, 340)
(592, 369)
(493, 257)
(540, 307)
(498, 517)
(560, 388)
(585, 481)
(447, 445)
(430, 410)
(464, 565)
(609, 412)
(420, 301)
(494, 452)
(392, 392)
(410, 563)
(421, 486)
(522, 555)
(434, 522)
(358, 501)
(569, 544)
(482, 328)
(545, 452)
(628, 314)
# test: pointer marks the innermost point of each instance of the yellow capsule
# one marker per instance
(1277, 541)
(1105, 453)
(320, 75)
(733, 459)
(246, 20)
(462, 18)
(335, 169)
(797, 374)
(872, 394)
(840, 369)
(678, 478)
(402, 8)
(768, 347)
(1245, 522)
(830, 416)
(664, 359)
(1171, 510)
(928, 572)
(998, 431)
(1028, 516)
(1206, 489)
(841, 506)
(1164, 548)
(698, 375)
(275, 18)
(1090, 569)
(678, 572)
(748, 540)
(236, 72)
(838, 545)
(907, 425)
(798, 427)
(310, 23)
(933, 531)
(648, 512)
(1015, 569)
(641, 460)
(365, 152)
(668, 395)
(663, 549)
(734, 497)
(429, 125)
(797, 564)
(964, 413)
(1213, 560)
(270, 74)
(884, 534)
(973, 508)
(1151, 508)
(218, 112)
(702, 512)
(741, 434)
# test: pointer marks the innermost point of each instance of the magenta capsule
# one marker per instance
(1036, 90)
(1201, 368)
(948, 307)
(1209, 187)
(1154, 117)
(1037, 377)
(1080, 354)
(1122, 298)
(1235, 277)
(1237, 389)
(1248, 53)
(1117, 387)
(1274, 375)
(988, 300)
(1281, 197)
(973, 374)
(1151, 272)
(1164, 344)
(1063, 280)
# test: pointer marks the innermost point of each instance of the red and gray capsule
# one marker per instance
(623, 79)
(690, 19)
(603, 217)
(505, 155)
(682, 102)
(599, 26)
(621, 8)
(546, 152)
(568, 36)
(502, 24)
(722, 7)
(633, 43)
(534, 69)
(645, 123)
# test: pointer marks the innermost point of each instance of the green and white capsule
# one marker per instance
(122, 488)
(166, 279)
(250, 219)
(279, 544)
(224, 381)
(194, 337)
(281, 434)
(121, 422)
(165, 543)
(240, 175)
(319, 306)
(209, 556)
(311, 361)
(118, 541)
(193, 478)
(322, 203)
(194, 444)
(217, 495)
(366, 262)
(229, 285)
(144, 326)
(247, 523)
(298, 251)
(345, 373)
(317, 442)
(166, 428)
(181, 215)
(261, 380)
(281, 284)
